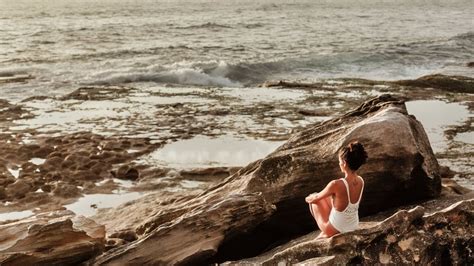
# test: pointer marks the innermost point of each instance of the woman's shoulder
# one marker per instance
(339, 184)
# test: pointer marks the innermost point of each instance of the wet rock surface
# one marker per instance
(65, 167)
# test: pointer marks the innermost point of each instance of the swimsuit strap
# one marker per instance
(361, 190)
(347, 188)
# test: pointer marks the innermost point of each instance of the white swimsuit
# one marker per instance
(348, 219)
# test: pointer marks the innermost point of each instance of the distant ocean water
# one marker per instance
(68, 43)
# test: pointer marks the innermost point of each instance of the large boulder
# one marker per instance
(262, 205)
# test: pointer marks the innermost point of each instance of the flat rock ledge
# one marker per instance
(262, 205)
(407, 237)
(54, 238)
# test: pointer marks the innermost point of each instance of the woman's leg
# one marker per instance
(320, 212)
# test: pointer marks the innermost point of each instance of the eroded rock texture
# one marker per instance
(262, 205)
(407, 237)
(57, 238)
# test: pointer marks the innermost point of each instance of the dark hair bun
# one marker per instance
(354, 155)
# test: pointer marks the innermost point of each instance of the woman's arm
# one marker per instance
(326, 192)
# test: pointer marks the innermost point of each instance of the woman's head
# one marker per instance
(352, 156)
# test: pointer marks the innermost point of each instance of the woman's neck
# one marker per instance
(350, 175)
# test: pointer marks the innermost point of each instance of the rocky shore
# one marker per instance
(66, 158)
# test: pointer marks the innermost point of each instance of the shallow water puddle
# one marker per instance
(14, 172)
(191, 184)
(436, 116)
(466, 137)
(15, 215)
(37, 161)
(203, 151)
(88, 204)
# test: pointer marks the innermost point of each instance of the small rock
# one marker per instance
(46, 188)
(127, 235)
(18, 189)
(127, 172)
(114, 242)
(43, 152)
(446, 172)
(65, 190)
(385, 258)
(52, 163)
(85, 175)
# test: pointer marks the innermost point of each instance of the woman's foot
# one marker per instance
(322, 235)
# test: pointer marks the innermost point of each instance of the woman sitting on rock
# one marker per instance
(341, 213)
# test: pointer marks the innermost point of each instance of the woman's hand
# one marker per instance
(326, 192)
(311, 197)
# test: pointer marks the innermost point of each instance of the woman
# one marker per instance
(340, 214)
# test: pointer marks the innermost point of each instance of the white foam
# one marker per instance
(173, 74)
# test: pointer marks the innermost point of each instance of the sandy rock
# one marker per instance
(251, 210)
(50, 239)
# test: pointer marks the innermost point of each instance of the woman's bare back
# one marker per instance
(340, 199)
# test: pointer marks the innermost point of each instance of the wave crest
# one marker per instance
(174, 74)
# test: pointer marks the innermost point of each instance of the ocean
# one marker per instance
(70, 43)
